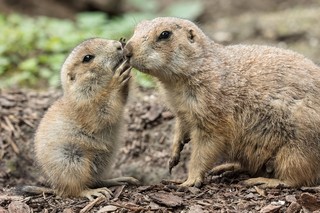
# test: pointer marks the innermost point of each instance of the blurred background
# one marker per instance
(36, 36)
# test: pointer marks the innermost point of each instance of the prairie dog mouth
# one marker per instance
(118, 63)
(122, 58)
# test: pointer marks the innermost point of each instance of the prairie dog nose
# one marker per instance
(123, 42)
(118, 46)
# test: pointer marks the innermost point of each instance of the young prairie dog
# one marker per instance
(78, 137)
(256, 106)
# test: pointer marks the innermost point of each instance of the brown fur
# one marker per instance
(78, 137)
(254, 105)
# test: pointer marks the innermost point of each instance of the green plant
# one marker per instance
(32, 50)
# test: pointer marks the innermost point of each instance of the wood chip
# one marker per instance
(260, 191)
(118, 191)
(166, 199)
(270, 208)
(194, 190)
(204, 202)
(68, 210)
(29, 123)
(291, 198)
(309, 202)
(88, 207)
(311, 189)
(143, 188)
(196, 208)
(13, 145)
(294, 207)
(2, 210)
(153, 113)
(10, 198)
(167, 115)
(9, 124)
(18, 207)
(7, 103)
(153, 206)
(109, 208)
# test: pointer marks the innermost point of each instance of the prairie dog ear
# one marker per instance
(191, 35)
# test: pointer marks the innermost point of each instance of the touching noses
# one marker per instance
(128, 50)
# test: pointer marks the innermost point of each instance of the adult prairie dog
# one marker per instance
(78, 137)
(257, 106)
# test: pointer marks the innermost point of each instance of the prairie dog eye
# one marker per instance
(87, 58)
(164, 35)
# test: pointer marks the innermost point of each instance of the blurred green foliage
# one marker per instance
(32, 50)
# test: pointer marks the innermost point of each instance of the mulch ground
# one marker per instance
(144, 155)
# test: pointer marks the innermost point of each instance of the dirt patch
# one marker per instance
(146, 142)
(144, 155)
(20, 113)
